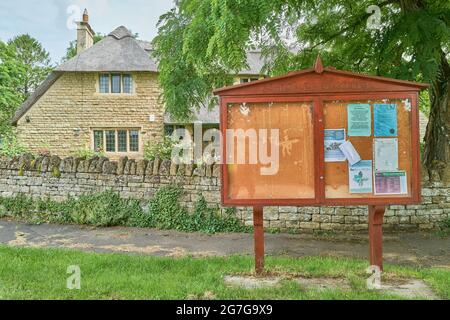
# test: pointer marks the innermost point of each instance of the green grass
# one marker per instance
(41, 274)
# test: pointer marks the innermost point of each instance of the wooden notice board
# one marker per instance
(314, 114)
(295, 173)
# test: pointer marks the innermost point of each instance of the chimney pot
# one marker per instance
(85, 34)
(85, 16)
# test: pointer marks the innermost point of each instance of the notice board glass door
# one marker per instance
(255, 125)
(378, 131)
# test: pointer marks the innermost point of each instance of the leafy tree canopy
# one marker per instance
(201, 42)
(11, 71)
(35, 61)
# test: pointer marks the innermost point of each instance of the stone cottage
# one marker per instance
(106, 97)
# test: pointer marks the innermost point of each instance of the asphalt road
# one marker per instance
(417, 249)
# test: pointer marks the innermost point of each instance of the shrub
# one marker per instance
(11, 146)
(165, 211)
(208, 220)
(108, 209)
(88, 153)
(444, 228)
(104, 209)
(161, 149)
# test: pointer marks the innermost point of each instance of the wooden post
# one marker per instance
(376, 215)
(258, 226)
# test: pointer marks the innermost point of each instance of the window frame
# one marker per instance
(112, 77)
(248, 80)
(108, 83)
(127, 145)
(128, 131)
(102, 140)
(122, 77)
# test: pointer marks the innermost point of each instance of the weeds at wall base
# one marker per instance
(107, 209)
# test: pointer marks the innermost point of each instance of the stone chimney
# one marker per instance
(85, 34)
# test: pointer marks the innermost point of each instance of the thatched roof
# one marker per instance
(121, 52)
(118, 52)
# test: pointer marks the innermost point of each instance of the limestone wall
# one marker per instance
(60, 178)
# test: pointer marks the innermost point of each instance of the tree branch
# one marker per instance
(353, 25)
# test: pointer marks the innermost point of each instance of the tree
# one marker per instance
(34, 59)
(10, 73)
(72, 49)
(201, 42)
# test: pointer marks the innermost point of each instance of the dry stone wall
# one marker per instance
(58, 179)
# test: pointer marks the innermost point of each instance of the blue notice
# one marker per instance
(385, 120)
(333, 139)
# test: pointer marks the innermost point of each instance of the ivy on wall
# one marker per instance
(108, 209)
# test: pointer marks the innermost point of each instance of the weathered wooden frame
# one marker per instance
(272, 90)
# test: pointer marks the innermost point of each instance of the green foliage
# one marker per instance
(108, 209)
(207, 220)
(18, 206)
(11, 146)
(444, 228)
(10, 73)
(186, 84)
(200, 42)
(165, 212)
(103, 209)
(88, 153)
(424, 102)
(24, 64)
(35, 61)
(159, 149)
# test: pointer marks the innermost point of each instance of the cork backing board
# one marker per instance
(337, 173)
(294, 178)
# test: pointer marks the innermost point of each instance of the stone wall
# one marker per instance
(60, 178)
(63, 119)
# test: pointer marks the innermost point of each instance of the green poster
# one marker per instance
(359, 120)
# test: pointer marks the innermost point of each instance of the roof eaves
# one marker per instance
(35, 96)
(248, 84)
(328, 70)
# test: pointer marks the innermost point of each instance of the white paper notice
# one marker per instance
(360, 177)
(386, 154)
(350, 152)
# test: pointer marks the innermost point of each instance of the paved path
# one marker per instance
(411, 249)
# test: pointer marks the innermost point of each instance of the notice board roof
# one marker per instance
(320, 80)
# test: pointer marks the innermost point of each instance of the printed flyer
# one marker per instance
(391, 183)
(333, 139)
(386, 154)
(385, 120)
(359, 120)
(360, 177)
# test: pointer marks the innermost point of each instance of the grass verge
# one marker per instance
(42, 274)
